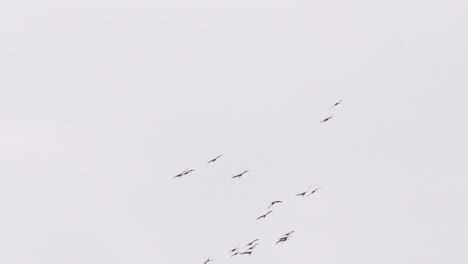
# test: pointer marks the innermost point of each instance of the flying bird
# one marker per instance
(337, 103)
(289, 233)
(208, 260)
(236, 253)
(273, 203)
(303, 193)
(265, 215)
(213, 160)
(326, 119)
(234, 249)
(283, 239)
(251, 243)
(240, 174)
(246, 252)
(181, 174)
(312, 192)
(188, 171)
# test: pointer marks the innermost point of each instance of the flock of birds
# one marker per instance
(249, 247)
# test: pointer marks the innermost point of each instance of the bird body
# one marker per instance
(303, 193)
(312, 192)
(265, 215)
(213, 160)
(246, 252)
(326, 119)
(240, 174)
(273, 203)
(337, 103)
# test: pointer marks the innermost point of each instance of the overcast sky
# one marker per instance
(103, 102)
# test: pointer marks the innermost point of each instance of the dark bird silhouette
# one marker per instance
(181, 174)
(252, 247)
(337, 103)
(236, 253)
(208, 260)
(246, 252)
(234, 249)
(273, 203)
(188, 171)
(312, 192)
(240, 175)
(265, 215)
(289, 233)
(213, 160)
(303, 193)
(326, 119)
(283, 239)
(251, 243)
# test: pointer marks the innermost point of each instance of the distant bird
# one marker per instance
(303, 193)
(236, 253)
(326, 119)
(337, 103)
(251, 243)
(234, 249)
(252, 247)
(213, 160)
(208, 260)
(312, 192)
(289, 233)
(265, 215)
(181, 174)
(273, 203)
(246, 252)
(240, 175)
(188, 171)
(283, 239)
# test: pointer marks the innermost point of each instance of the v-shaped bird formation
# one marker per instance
(249, 248)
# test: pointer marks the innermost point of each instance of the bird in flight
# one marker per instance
(303, 193)
(246, 252)
(273, 203)
(213, 160)
(181, 174)
(337, 103)
(282, 239)
(312, 192)
(289, 233)
(208, 260)
(236, 253)
(234, 249)
(251, 243)
(326, 119)
(240, 174)
(265, 215)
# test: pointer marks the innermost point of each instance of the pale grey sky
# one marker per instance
(102, 102)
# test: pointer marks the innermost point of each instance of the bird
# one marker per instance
(246, 252)
(273, 203)
(263, 216)
(289, 233)
(282, 239)
(252, 247)
(251, 243)
(236, 253)
(181, 174)
(312, 192)
(213, 160)
(188, 171)
(303, 193)
(208, 260)
(326, 119)
(337, 103)
(234, 249)
(240, 174)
